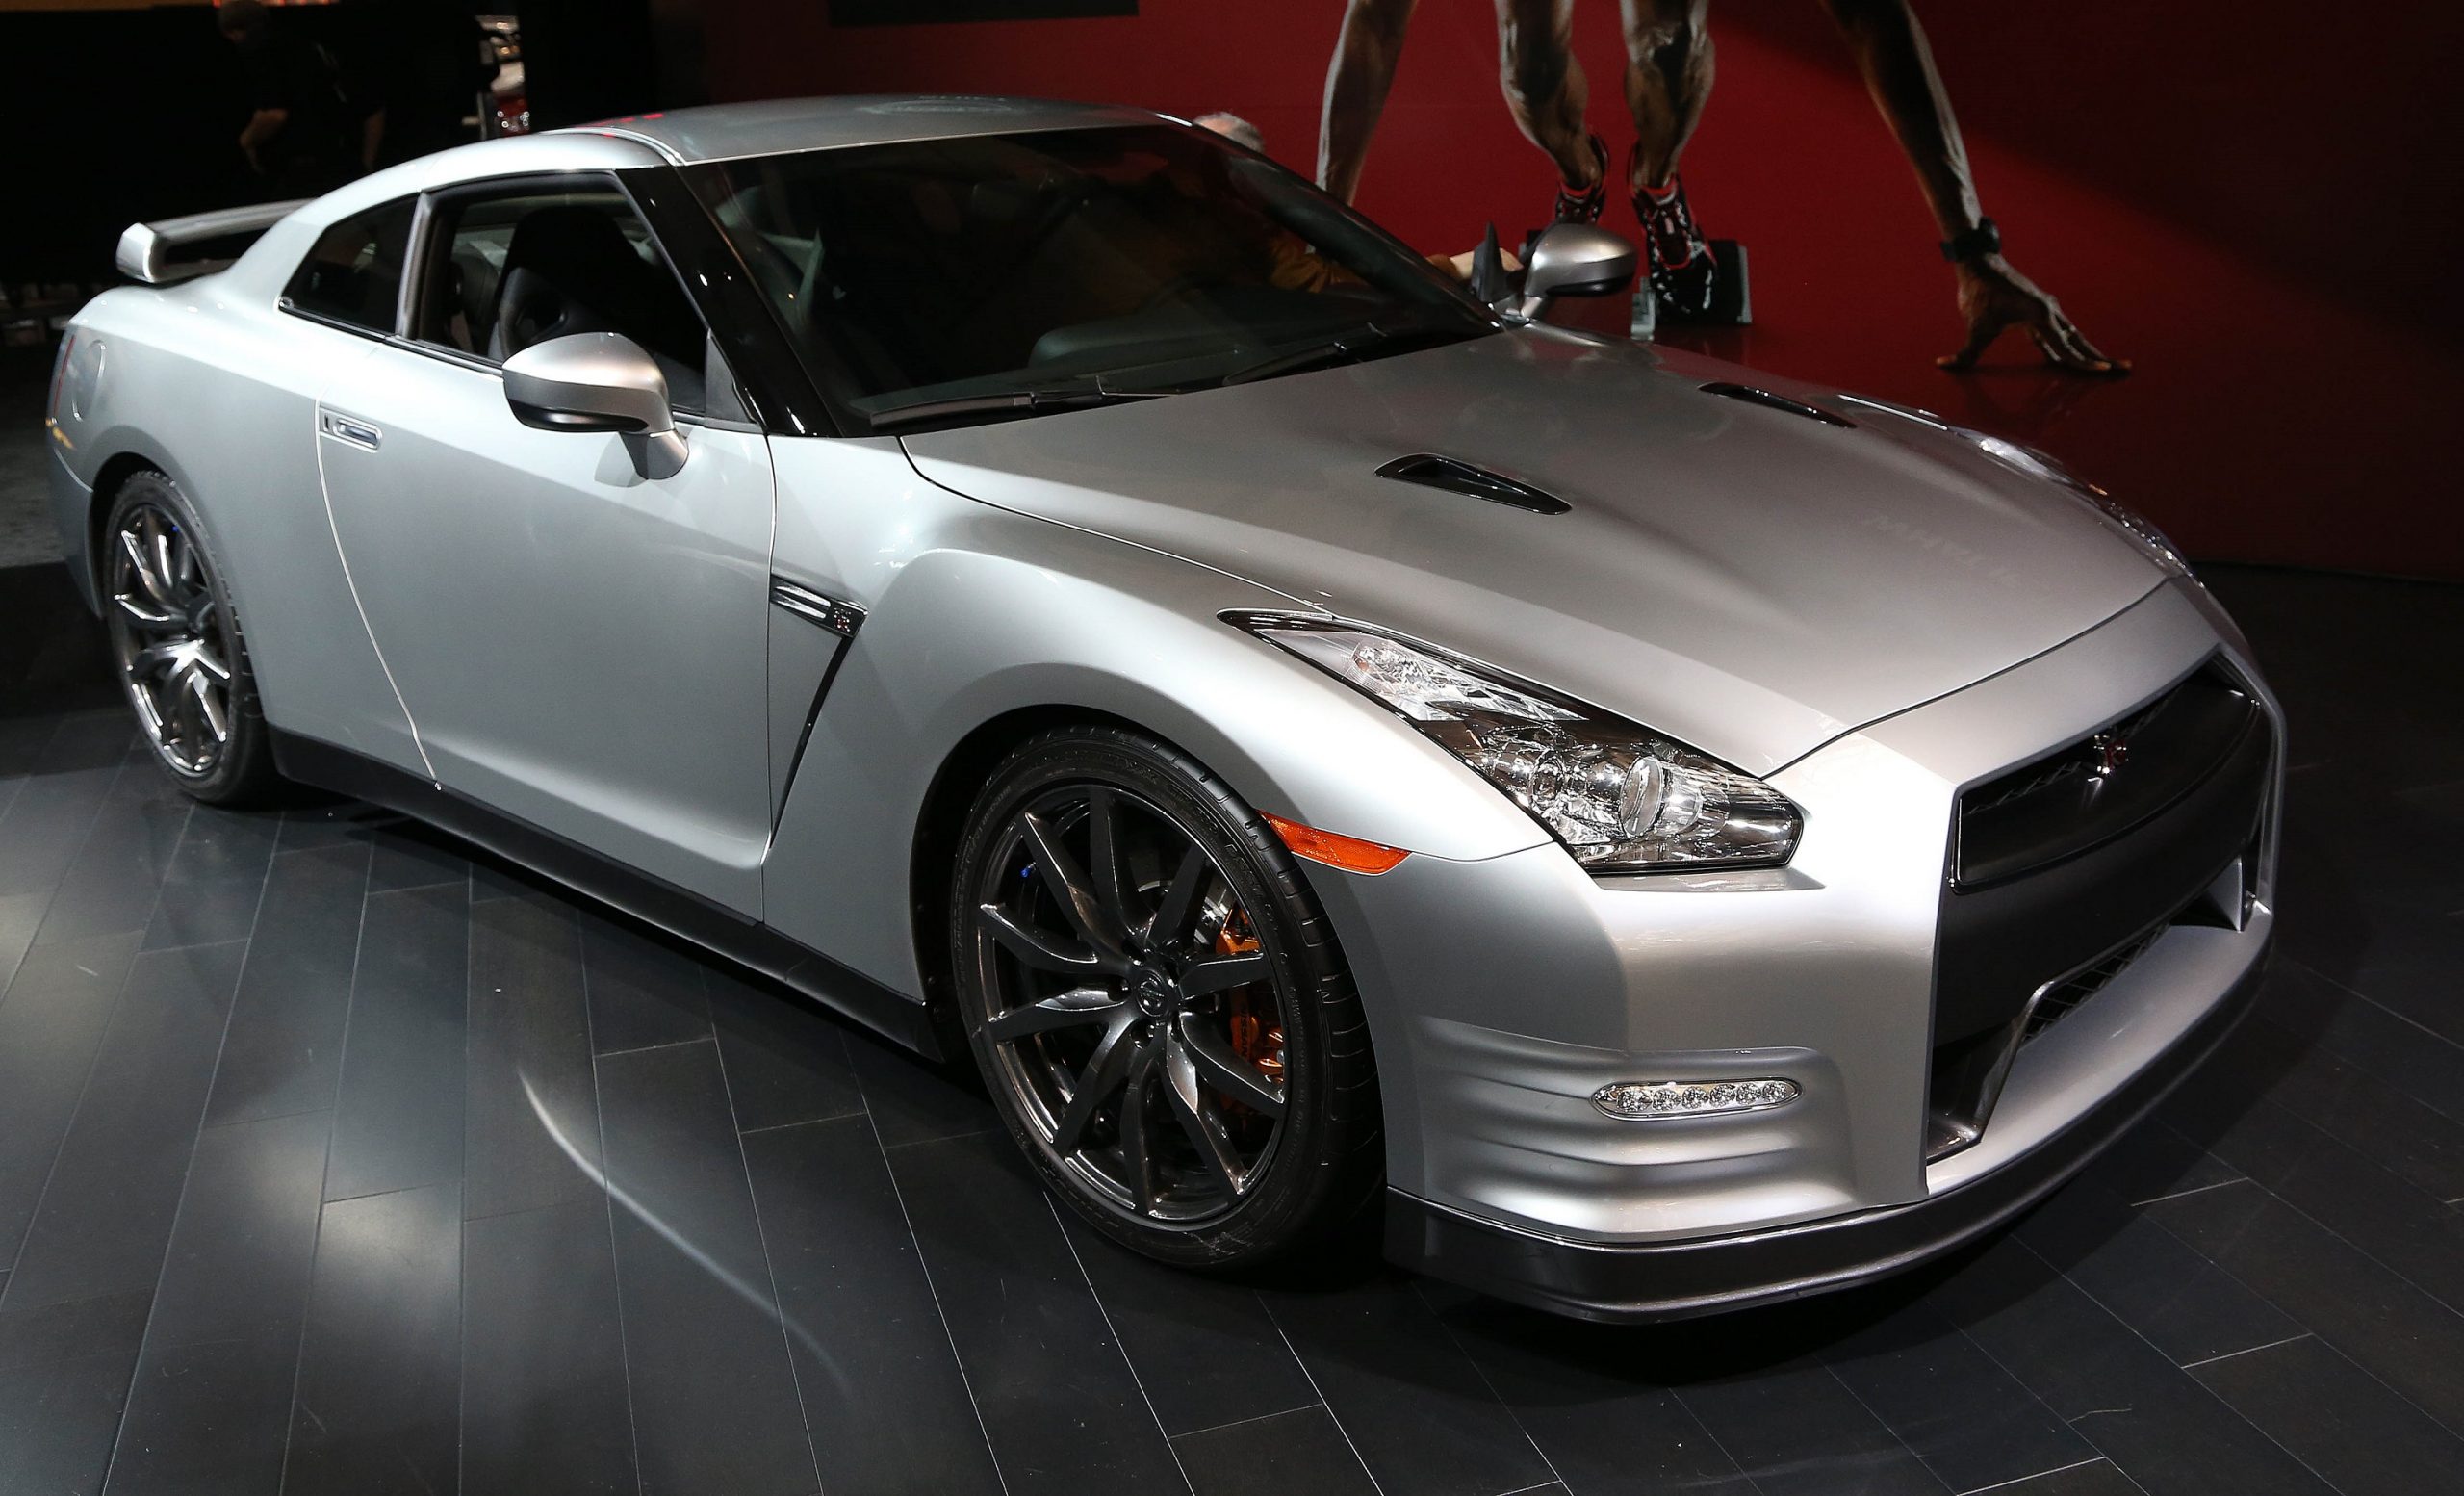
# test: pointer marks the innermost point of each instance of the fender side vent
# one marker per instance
(1457, 477)
(1754, 397)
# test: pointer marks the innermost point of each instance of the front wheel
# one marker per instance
(1158, 1005)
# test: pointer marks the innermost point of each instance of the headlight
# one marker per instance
(1621, 797)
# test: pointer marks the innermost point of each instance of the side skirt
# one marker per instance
(653, 901)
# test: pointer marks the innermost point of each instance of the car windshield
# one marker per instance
(1096, 264)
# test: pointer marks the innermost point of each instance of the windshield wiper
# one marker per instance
(1333, 351)
(1005, 402)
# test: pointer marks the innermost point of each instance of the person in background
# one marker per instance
(303, 136)
(416, 63)
(1668, 77)
(1240, 132)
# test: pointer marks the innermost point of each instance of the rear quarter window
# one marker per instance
(353, 273)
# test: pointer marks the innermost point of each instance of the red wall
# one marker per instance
(2259, 208)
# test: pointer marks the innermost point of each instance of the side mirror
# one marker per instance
(1572, 260)
(597, 381)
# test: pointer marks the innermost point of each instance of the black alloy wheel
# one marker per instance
(1157, 1004)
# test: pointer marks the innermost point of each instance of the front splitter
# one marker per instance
(1648, 1283)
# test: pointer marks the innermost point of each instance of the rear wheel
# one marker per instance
(177, 642)
(1158, 1005)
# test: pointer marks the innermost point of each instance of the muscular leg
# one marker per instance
(1366, 52)
(1668, 75)
(1544, 84)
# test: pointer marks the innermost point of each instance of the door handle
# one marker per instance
(350, 428)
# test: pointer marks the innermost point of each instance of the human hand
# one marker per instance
(1461, 265)
(1995, 298)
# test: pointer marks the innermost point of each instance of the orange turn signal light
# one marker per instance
(1348, 853)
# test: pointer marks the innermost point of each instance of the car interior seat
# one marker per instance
(571, 270)
(568, 270)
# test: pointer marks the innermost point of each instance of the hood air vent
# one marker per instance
(1456, 477)
(1754, 397)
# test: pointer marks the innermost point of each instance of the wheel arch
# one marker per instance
(942, 821)
(109, 478)
(134, 450)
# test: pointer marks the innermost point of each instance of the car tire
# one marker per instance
(1177, 1048)
(177, 645)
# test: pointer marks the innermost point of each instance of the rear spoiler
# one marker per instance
(198, 244)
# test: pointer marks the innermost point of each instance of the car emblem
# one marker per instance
(2113, 751)
(1152, 990)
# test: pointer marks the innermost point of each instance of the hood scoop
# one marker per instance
(1457, 477)
(1754, 397)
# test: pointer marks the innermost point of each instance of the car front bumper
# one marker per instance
(1646, 1282)
(1504, 993)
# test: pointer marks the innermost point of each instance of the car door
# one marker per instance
(581, 646)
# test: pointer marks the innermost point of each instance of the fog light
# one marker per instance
(1644, 1098)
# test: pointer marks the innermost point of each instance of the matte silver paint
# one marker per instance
(148, 253)
(772, 126)
(597, 381)
(1574, 260)
(1749, 583)
(583, 645)
(220, 395)
(1523, 985)
(1871, 618)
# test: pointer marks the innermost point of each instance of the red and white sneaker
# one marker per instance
(1582, 205)
(1684, 273)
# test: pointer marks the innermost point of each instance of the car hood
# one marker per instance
(1749, 581)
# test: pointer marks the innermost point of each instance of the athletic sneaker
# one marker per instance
(1683, 270)
(1582, 205)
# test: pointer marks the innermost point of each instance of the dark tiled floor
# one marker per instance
(329, 1162)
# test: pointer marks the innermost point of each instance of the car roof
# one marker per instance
(720, 132)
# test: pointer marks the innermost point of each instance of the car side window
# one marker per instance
(353, 272)
(512, 269)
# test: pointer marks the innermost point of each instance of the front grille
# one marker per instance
(2103, 784)
(2078, 760)
(2060, 1000)
(2066, 868)
(1967, 1073)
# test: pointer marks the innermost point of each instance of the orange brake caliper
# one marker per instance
(1258, 1040)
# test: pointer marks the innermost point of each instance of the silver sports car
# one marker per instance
(1050, 584)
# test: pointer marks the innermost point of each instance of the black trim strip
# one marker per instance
(1675, 1280)
(471, 363)
(2105, 784)
(812, 716)
(653, 901)
(290, 308)
(818, 608)
(831, 615)
(785, 400)
(1780, 402)
(1454, 475)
